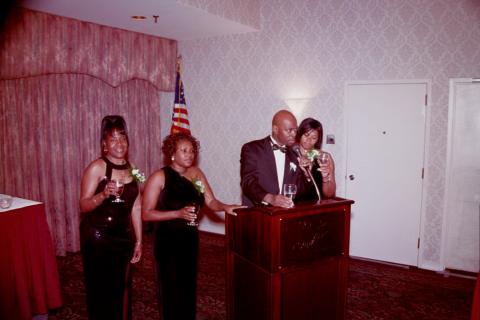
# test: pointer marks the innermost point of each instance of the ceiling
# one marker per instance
(175, 21)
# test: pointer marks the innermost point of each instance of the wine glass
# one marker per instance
(323, 158)
(194, 223)
(119, 186)
(289, 190)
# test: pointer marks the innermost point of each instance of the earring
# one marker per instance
(173, 158)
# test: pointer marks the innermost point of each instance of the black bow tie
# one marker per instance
(277, 147)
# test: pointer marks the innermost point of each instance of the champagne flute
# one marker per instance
(194, 223)
(119, 185)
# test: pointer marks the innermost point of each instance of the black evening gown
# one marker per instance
(309, 194)
(176, 250)
(107, 240)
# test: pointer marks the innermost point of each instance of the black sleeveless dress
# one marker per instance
(107, 240)
(176, 250)
(309, 194)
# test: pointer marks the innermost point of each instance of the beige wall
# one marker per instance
(309, 49)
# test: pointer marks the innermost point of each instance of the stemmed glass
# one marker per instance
(119, 186)
(323, 158)
(194, 223)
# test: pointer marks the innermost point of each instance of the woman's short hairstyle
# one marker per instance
(169, 146)
(308, 125)
(111, 123)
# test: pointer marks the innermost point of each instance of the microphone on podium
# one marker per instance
(308, 174)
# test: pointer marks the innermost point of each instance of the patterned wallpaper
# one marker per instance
(243, 11)
(309, 49)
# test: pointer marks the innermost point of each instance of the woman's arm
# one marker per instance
(90, 180)
(210, 200)
(153, 187)
(137, 228)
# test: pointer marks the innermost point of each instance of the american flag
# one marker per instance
(180, 114)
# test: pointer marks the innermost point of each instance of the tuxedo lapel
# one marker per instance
(270, 161)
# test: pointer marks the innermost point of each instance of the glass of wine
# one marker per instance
(289, 190)
(323, 158)
(119, 185)
(194, 223)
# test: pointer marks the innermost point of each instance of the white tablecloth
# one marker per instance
(19, 203)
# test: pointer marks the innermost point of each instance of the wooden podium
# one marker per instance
(288, 264)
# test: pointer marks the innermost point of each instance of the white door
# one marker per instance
(462, 205)
(385, 153)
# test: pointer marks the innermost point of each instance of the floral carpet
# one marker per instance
(375, 291)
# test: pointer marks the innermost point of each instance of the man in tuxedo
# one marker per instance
(267, 164)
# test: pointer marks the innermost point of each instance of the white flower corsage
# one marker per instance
(312, 154)
(293, 167)
(198, 184)
(137, 175)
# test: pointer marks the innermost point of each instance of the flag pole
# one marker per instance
(179, 63)
(180, 121)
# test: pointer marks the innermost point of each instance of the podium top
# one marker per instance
(299, 207)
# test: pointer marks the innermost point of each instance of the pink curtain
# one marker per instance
(51, 108)
(38, 43)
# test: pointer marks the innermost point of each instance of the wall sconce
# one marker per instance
(297, 106)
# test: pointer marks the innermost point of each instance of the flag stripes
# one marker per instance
(180, 121)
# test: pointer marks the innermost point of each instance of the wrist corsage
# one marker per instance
(198, 184)
(137, 175)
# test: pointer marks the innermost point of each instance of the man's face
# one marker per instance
(284, 131)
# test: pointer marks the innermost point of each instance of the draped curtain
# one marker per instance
(58, 79)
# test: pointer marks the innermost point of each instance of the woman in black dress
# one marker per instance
(110, 232)
(169, 199)
(309, 138)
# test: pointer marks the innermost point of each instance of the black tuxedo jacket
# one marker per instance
(258, 171)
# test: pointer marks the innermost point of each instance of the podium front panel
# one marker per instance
(308, 238)
(288, 264)
(312, 292)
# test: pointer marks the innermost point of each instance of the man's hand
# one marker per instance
(277, 200)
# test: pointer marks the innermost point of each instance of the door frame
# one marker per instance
(421, 262)
(448, 164)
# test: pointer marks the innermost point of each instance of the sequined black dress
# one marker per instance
(107, 241)
(176, 250)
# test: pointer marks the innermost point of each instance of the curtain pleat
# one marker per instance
(50, 131)
(58, 78)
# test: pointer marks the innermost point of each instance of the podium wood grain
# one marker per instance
(288, 263)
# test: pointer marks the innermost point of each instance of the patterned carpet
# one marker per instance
(375, 291)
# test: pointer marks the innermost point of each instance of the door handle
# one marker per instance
(351, 177)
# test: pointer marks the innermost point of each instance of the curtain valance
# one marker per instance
(35, 43)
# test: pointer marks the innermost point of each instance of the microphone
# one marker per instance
(308, 174)
(296, 150)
